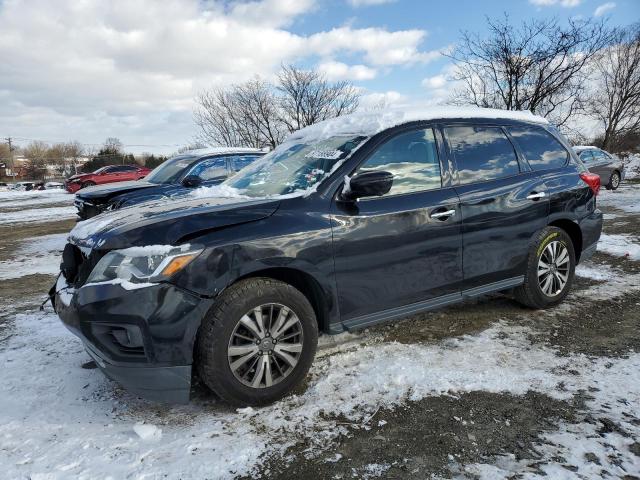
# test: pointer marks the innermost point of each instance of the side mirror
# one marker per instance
(191, 181)
(367, 184)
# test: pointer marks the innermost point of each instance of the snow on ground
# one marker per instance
(61, 420)
(38, 215)
(37, 255)
(23, 199)
(626, 198)
(31, 194)
(620, 245)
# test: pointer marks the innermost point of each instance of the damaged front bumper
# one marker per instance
(141, 338)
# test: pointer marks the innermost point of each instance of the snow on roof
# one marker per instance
(370, 123)
(580, 148)
(222, 151)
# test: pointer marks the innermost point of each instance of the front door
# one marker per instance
(404, 247)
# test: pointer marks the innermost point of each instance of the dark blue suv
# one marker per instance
(351, 222)
(173, 178)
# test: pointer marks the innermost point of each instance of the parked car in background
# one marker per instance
(609, 167)
(110, 174)
(357, 220)
(23, 186)
(175, 177)
(54, 186)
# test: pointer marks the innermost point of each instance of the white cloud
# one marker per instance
(604, 8)
(93, 69)
(563, 3)
(437, 81)
(342, 71)
(365, 3)
(380, 46)
(381, 100)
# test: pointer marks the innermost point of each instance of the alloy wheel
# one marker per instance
(265, 346)
(615, 180)
(553, 268)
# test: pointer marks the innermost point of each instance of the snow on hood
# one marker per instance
(369, 123)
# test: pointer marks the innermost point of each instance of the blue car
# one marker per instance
(174, 178)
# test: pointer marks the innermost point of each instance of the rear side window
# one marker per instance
(239, 162)
(539, 147)
(482, 153)
(412, 158)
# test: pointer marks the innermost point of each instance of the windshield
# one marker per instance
(171, 170)
(101, 169)
(293, 167)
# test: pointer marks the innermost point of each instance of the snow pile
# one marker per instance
(595, 272)
(38, 255)
(621, 245)
(632, 166)
(148, 432)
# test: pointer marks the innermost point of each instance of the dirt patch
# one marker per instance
(417, 440)
(12, 236)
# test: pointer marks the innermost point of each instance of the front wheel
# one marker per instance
(614, 181)
(257, 342)
(550, 270)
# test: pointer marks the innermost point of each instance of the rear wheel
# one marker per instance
(550, 270)
(614, 181)
(257, 342)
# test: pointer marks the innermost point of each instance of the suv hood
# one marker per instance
(167, 222)
(78, 176)
(104, 192)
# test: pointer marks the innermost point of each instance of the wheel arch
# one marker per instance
(573, 230)
(303, 281)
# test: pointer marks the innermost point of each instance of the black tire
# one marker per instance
(211, 360)
(530, 293)
(614, 181)
(88, 184)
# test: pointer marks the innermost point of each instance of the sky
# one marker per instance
(92, 69)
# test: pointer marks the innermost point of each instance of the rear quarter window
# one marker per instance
(541, 149)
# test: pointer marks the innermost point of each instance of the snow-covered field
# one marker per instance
(59, 420)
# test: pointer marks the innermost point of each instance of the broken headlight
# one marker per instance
(149, 264)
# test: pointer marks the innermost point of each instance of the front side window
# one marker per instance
(210, 169)
(539, 147)
(293, 167)
(412, 158)
(482, 153)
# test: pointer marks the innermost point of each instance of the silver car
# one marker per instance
(609, 167)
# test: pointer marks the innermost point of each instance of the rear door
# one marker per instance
(404, 247)
(503, 204)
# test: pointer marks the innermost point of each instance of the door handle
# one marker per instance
(536, 195)
(443, 215)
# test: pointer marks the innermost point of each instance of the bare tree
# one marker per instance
(258, 114)
(113, 144)
(616, 97)
(36, 152)
(539, 66)
(307, 97)
(73, 151)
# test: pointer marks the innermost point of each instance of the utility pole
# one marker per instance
(9, 142)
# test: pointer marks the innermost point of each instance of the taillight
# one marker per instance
(593, 180)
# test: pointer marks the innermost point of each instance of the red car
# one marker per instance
(110, 174)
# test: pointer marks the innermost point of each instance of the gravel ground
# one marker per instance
(573, 428)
